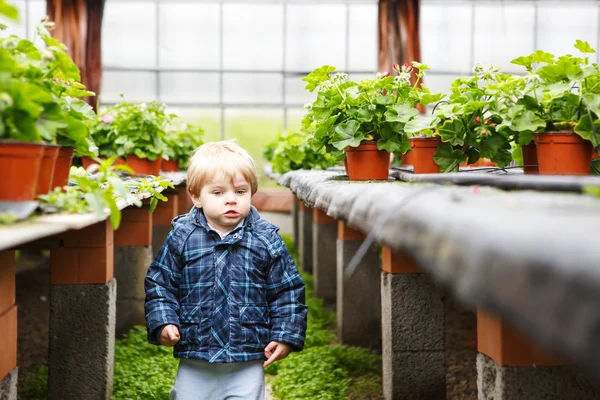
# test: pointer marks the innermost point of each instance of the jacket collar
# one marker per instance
(199, 219)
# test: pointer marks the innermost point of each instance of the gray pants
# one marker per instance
(199, 380)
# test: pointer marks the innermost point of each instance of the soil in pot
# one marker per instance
(20, 165)
(365, 162)
(563, 153)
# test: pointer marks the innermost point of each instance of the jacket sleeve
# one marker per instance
(162, 288)
(285, 295)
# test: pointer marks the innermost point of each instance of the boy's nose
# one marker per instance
(230, 198)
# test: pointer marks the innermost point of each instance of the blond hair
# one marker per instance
(225, 157)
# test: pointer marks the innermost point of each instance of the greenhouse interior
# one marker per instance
(294, 199)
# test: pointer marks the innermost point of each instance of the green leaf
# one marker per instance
(583, 47)
(153, 204)
(527, 121)
(115, 213)
(422, 124)
(502, 158)
(491, 144)
(447, 157)
(400, 113)
(586, 130)
(347, 134)
(453, 132)
(8, 10)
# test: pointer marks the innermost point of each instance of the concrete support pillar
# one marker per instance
(133, 255)
(305, 237)
(359, 296)
(295, 221)
(324, 256)
(511, 367)
(8, 327)
(161, 219)
(82, 315)
(413, 331)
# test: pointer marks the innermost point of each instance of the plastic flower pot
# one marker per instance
(563, 153)
(20, 165)
(62, 167)
(407, 159)
(144, 166)
(366, 162)
(47, 166)
(423, 149)
(170, 165)
(530, 160)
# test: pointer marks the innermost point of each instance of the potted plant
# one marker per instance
(462, 129)
(556, 106)
(135, 133)
(34, 111)
(181, 140)
(293, 151)
(364, 120)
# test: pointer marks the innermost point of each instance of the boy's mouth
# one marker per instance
(231, 212)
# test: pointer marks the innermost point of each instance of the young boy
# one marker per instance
(223, 289)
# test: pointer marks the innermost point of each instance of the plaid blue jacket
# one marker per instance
(228, 297)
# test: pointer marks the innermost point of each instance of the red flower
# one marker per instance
(386, 74)
(396, 67)
(477, 120)
(487, 122)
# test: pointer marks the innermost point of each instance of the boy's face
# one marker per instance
(225, 203)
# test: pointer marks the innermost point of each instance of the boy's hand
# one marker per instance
(169, 336)
(276, 351)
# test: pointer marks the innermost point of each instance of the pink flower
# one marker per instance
(386, 74)
(106, 118)
(406, 68)
(396, 67)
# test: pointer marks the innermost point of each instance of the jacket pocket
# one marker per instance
(255, 321)
(190, 319)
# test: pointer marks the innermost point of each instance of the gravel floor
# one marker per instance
(32, 299)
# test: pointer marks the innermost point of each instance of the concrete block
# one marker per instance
(159, 235)
(131, 266)
(412, 313)
(82, 336)
(130, 312)
(532, 383)
(8, 385)
(414, 375)
(358, 297)
(305, 242)
(324, 261)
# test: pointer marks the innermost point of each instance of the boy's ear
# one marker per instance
(196, 200)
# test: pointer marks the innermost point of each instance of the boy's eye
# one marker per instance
(241, 191)
(217, 192)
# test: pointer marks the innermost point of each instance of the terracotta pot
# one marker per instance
(47, 169)
(530, 160)
(423, 149)
(346, 166)
(407, 159)
(20, 165)
(62, 167)
(170, 165)
(366, 162)
(143, 166)
(563, 153)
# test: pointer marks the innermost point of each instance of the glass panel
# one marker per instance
(294, 119)
(253, 128)
(208, 119)
(135, 86)
(446, 37)
(252, 37)
(189, 36)
(559, 27)
(129, 34)
(18, 27)
(503, 33)
(362, 40)
(295, 92)
(252, 88)
(189, 87)
(316, 35)
(440, 83)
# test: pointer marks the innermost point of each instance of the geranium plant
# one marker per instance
(181, 140)
(132, 129)
(557, 94)
(346, 113)
(39, 93)
(292, 151)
